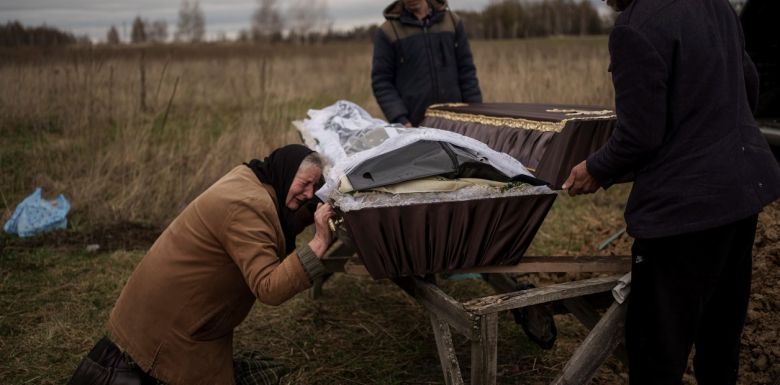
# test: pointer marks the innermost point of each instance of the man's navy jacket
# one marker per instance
(420, 63)
(684, 94)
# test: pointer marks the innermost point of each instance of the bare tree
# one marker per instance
(183, 23)
(590, 21)
(307, 18)
(157, 31)
(112, 37)
(191, 26)
(138, 31)
(243, 35)
(267, 23)
(198, 23)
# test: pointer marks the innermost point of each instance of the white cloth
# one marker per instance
(622, 288)
(346, 135)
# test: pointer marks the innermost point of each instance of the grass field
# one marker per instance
(132, 135)
(123, 146)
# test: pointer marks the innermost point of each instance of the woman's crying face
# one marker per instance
(302, 187)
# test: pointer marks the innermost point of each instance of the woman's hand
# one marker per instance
(322, 236)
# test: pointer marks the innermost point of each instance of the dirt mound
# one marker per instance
(117, 236)
(760, 356)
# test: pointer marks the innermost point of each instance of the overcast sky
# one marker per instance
(94, 17)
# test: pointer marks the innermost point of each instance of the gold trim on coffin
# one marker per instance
(519, 123)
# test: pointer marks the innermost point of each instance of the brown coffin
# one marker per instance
(432, 238)
(549, 139)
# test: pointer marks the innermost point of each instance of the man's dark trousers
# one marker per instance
(689, 289)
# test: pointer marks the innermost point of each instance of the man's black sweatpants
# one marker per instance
(689, 289)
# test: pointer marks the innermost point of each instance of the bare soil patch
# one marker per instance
(760, 356)
(108, 238)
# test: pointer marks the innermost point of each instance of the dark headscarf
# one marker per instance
(278, 170)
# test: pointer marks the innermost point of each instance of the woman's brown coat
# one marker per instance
(175, 316)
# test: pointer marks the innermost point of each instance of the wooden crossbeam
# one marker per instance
(561, 264)
(523, 298)
(597, 347)
(478, 319)
(529, 264)
(445, 307)
(588, 316)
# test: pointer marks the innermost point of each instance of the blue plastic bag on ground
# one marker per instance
(36, 215)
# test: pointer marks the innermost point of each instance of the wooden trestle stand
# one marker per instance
(477, 319)
(549, 140)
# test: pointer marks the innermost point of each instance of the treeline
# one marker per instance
(190, 27)
(503, 19)
(14, 34)
(308, 21)
(512, 19)
(298, 21)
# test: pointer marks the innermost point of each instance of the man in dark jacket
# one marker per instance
(421, 57)
(684, 91)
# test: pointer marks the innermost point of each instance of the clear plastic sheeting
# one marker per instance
(346, 135)
(341, 129)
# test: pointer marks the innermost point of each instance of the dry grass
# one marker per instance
(88, 134)
(74, 122)
(555, 70)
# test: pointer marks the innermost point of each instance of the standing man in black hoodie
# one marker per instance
(421, 57)
(684, 92)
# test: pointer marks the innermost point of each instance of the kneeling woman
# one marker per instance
(173, 322)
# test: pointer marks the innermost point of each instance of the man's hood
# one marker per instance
(395, 9)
